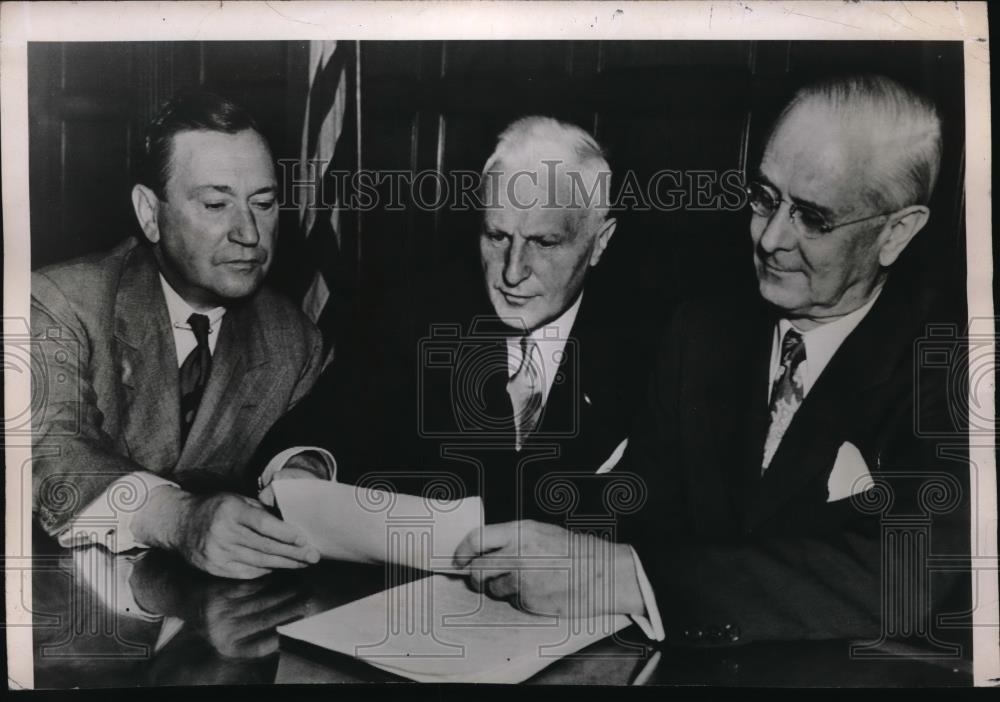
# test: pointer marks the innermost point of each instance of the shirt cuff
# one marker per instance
(107, 520)
(649, 622)
(279, 461)
(109, 578)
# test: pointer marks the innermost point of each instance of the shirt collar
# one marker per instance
(551, 339)
(560, 327)
(824, 340)
(179, 310)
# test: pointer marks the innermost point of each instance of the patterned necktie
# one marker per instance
(194, 373)
(525, 390)
(786, 394)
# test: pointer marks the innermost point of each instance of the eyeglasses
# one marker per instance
(808, 221)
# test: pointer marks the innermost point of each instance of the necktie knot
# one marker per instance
(529, 363)
(793, 348)
(200, 326)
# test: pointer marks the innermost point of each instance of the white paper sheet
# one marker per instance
(364, 525)
(437, 630)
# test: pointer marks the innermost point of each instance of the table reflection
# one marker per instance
(148, 619)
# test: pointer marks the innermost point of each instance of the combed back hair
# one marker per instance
(187, 110)
(537, 139)
(903, 126)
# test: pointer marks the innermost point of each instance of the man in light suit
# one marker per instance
(509, 388)
(779, 444)
(163, 362)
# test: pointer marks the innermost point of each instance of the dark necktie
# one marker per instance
(787, 393)
(194, 373)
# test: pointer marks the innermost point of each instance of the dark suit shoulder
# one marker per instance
(719, 315)
(712, 326)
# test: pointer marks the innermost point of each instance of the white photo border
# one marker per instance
(21, 22)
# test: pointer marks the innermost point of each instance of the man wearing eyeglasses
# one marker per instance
(779, 444)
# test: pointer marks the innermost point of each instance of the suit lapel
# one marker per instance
(570, 398)
(864, 361)
(738, 398)
(561, 414)
(147, 364)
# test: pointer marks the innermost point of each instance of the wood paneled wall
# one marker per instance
(693, 107)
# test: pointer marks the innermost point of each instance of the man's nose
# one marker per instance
(779, 232)
(516, 268)
(244, 229)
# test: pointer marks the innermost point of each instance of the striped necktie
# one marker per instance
(525, 390)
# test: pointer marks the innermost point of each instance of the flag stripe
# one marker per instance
(329, 140)
(328, 143)
(316, 297)
(323, 95)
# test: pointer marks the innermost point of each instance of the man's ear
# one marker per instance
(146, 204)
(603, 236)
(900, 229)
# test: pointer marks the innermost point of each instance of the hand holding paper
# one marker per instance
(545, 569)
(224, 534)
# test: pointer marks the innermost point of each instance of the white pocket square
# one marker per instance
(850, 474)
(613, 459)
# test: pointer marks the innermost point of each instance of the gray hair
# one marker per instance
(904, 127)
(583, 160)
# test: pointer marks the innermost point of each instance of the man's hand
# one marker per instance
(546, 569)
(227, 535)
(238, 617)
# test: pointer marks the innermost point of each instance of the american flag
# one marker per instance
(329, 145)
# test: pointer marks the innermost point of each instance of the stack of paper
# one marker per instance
(438, 630)
(365, 525)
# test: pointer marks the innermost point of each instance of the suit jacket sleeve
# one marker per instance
(74, 459)
(798, 581)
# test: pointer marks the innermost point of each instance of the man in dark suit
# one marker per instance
(789, 493)
(163, 362)
(510, 395)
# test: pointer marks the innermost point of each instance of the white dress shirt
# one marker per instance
(101, 522)
(821, 343)
(551, 341)
(179, 311)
